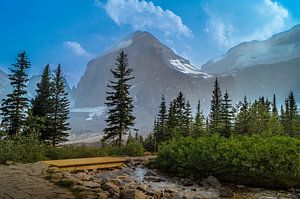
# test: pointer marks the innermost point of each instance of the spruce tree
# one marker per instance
(291, 116)
(198, 127)
(226, 116)
(241, 126)
(59, 109)
(188, 120)
(40, 105)
(274, 105)
(215, 109)
(14, 106)
(162, 121)
(120, 118)
(172, 121)
(179, 105)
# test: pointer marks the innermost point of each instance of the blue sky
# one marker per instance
(73, 32)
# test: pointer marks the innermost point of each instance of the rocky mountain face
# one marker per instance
(157, 70)
(262, 68)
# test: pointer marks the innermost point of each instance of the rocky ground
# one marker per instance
(135, 181)
(26, 181)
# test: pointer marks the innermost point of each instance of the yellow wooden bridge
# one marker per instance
(86, 163)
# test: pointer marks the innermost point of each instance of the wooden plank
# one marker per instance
(84, 161)
(89, 167)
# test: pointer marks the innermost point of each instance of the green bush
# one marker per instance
(133, 149)
(258, 161)
(28, 149)
(21, 149)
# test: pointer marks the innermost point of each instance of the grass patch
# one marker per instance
(28, 149)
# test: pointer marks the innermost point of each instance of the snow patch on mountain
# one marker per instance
(92, 111)
(186, 68)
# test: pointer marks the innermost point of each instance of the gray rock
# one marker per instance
(83, 176)
(212, 181)
(108, 185)
(91, 184)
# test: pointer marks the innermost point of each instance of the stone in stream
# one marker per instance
(225, 192)
(83, 176)
(212, 181)
(133, 194)
(108, 186)
(91, 184)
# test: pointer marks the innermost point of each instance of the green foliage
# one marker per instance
(215, 110)
(260, 161)
(59, 110)
(199, 126)
(21, 149)
(41, 104)
(13, 107)
(120, 118)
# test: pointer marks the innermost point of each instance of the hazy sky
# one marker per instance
(72, 32)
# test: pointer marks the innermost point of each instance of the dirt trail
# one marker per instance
(26, 181)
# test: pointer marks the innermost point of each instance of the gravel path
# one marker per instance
(26, 181)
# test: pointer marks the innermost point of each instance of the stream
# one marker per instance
(196, 191)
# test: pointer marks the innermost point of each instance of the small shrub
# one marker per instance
(21, 149)
(258, 161)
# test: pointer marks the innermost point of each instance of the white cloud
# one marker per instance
(142, 15)
(76, 48)
(231, 22)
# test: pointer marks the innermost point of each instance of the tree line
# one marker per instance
(245, 118)
(45, 116)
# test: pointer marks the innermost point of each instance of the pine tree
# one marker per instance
(162, 122)
(58, 116)
(291, 116)
(241, 126)
(179, 105)
(172, 121)
(226, 116)
(216, 109)
(198, 127)
(274, 106)
(120, 118)
(14, 106)
(40, 105)
(188, 120)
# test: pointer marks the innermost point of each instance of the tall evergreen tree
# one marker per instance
(162, 121)
(40, 105)
(120, 118)
(199, 123)
(188, 120)
(215, 119)
(58, 116)
(291, 116)
(14, 106)
(241, 125)
(274, 105)
(172, 120)
(226, 116)
(179, 105)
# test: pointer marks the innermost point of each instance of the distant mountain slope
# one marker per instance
(157, 70)
(262, 68)
(281, 47)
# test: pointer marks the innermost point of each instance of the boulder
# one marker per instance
(212, 181)
(83, 176)
(225, 192)
(134, 194)
(108, 186)
(91, 184)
